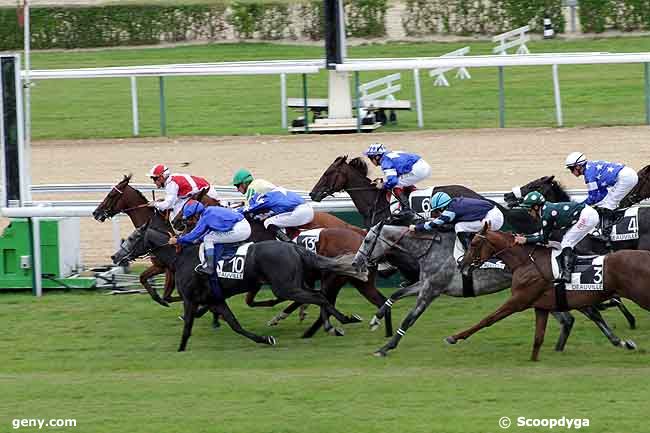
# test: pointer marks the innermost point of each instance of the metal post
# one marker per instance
(134, 107)
(502, 100)
(117, 236)
(558, 100)
(36, 256)
(283, 97)
(163, 113)
(304, 101)
(25, 164)
(647, 93)
(357, 99)
(418, 97)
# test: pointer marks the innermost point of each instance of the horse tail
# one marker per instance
(341, 265)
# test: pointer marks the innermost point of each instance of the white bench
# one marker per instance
(520, 38)
(439, 73)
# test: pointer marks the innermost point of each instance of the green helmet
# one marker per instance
(533, 198)
(242, 176)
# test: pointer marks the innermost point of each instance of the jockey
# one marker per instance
(402, 170)
(178, 188)
(215, 226)
(246, 184)
(608, 183)
(468, 215)
(578, 217)
(279, 209)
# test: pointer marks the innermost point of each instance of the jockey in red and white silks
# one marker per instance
(178, 189)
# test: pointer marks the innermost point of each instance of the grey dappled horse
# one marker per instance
(439, 274)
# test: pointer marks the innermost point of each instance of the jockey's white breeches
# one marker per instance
(494, 217)
(239, 233)
(301, 215)
(420, 171)
(586, 223)
(627, 179)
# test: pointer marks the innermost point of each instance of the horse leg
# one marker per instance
(631, 320)
(190, 310)
(169, 287)
(225, 311)
(566, 325)
(594, 315)
(385, 309)
(331, 288)
(541, 319)
(251, 302)
(284, 314)
(375, 297)
(144, 280)
(426, 296)
(518, 302)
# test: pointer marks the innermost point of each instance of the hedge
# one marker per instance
(626, 15)
(467, 17)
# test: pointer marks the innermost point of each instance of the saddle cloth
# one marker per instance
(588, 272)
(308, 239)
(627, 228)
(231, 264)
(420, 201)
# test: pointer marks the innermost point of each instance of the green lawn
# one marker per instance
(110, 363)
(247, 105)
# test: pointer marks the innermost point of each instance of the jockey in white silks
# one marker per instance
(178, 189)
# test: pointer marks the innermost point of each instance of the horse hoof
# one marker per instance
(374, 323)
(380, 354)
(216, 325)
(336, 332)
(271, 341)
(629, 345)
(451, 340)
(355, 318)
(181, 318)
(162, 302)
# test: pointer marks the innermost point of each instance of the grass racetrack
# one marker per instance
(110, 362)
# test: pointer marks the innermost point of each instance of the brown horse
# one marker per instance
(334, 241)
(123, 198)
(625, 273)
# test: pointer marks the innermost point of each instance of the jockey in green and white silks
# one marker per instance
(579, 218)
(246, 184)
(607, 184)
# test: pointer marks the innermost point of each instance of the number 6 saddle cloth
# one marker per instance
(588, 272)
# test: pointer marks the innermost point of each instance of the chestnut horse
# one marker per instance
(625, 273)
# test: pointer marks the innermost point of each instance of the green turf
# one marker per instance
(110, 363)
(247, 105)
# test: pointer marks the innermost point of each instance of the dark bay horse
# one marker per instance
(123, 198)
(334, 241)
(625, 273)
(289, 269)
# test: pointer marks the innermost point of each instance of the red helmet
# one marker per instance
(159, 170)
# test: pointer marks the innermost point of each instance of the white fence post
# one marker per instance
(36, 256)
(283, 98)
(558, 100)
(418, 97)
(117, 236)
(134, 107)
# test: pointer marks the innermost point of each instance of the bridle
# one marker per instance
(391, 245)
(476, 259)
(112, 203)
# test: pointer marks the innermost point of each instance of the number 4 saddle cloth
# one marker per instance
(587, 272)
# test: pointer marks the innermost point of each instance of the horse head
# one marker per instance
(122, 197)
(485, 244)
(131, 248)
(332, 180)
(550, 188)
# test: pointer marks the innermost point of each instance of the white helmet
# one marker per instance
(574, 159)
(159, 170)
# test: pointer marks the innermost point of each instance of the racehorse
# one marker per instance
(332, 242)
(439, 275)
(290, 270)
(625, 273)
(123, 198)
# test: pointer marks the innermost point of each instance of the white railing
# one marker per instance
(386, 92)
(520, 38)
(439, 73)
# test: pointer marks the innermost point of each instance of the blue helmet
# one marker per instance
(192, 208)
(376, 149)
(440, 200)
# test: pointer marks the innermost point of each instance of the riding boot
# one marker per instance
(211, 256)
(606, 223)
(278, 233)
(465, 239)
(568, 258)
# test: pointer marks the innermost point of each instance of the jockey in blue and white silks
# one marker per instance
(468, 215)
(607, 184)
(402, 170)
(215, 226)
(280, 208)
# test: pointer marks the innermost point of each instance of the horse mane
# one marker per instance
(359, 165)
